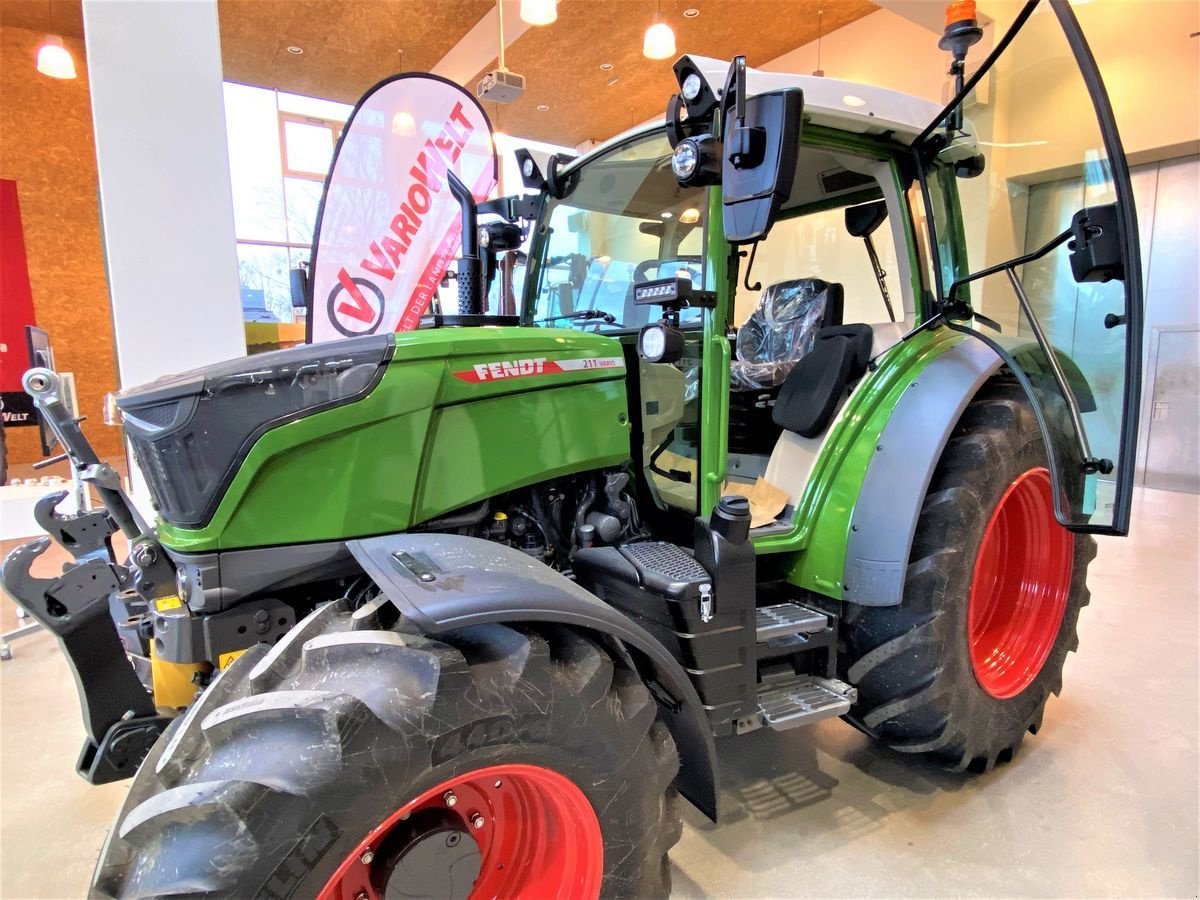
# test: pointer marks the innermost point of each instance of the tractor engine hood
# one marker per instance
(189, 431)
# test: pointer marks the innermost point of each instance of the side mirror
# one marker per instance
(861, 221)
(762, 135)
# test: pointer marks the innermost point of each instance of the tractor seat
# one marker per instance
(781, 330)
(810, 393)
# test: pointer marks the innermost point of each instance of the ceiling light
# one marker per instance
(690, 216)
(539, 12)
(606, 67)
(295, 51)
(691, 12)
(851, 100)
(542, 107)
(666, 215)
(403, 124)
(54, 59)
(659, 42)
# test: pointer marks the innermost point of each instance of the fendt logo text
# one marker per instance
(537, 365)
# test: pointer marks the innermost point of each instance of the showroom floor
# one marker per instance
(1102, 802)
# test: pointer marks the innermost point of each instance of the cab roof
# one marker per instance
(827, 101)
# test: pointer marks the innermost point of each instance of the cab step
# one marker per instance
(801, 701)
(784, 619)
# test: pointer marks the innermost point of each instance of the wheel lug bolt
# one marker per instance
(367, 857)
(449, 798)
(477, 821)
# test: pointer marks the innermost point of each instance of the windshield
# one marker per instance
(626, 221)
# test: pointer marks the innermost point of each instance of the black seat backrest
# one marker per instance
(811, 391)
(861, 336)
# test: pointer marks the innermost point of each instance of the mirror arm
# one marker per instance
(952, 294)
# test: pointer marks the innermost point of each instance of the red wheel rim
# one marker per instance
(1019, 591)
(537, 834)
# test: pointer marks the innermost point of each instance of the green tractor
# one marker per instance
(457, 611)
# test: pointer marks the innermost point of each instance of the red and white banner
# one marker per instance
(388, 226)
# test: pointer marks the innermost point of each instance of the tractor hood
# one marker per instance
(189, 430)
(372, 435)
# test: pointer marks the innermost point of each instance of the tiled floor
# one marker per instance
(1102, 802)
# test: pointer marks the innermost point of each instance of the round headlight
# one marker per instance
(653, 343)
(685, 159)
(691, 87)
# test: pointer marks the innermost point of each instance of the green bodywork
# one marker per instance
(424, 442)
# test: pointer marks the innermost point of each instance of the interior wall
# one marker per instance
(47, 147)
(882, 49)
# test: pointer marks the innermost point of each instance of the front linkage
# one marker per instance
(76, 607)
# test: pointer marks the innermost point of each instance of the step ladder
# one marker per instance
(802, 700)
(785, 619)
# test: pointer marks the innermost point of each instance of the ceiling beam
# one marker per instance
(480, 46)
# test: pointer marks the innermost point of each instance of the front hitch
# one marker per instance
(118, 712)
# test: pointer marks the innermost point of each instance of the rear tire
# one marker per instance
(297, 761)
(962, 668)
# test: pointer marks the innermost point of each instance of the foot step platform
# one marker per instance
(805, 700)
(784, 619)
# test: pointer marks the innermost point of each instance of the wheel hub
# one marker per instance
(517, 831)
(1020, 587)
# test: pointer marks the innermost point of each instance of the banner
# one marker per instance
(16, 311)
(388, 227)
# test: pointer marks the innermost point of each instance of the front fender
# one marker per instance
(443, 582)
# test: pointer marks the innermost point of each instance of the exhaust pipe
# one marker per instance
(470, 271)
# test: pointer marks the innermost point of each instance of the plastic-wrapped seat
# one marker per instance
(782, 330)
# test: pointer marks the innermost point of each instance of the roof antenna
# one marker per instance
(819, 72)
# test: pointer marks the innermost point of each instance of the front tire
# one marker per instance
(355, 760)
(961, 670)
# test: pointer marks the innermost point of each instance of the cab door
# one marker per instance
(1034, 246)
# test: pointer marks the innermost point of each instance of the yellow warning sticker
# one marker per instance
(226, 658)
(164, 603)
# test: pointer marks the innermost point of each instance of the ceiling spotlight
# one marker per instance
(691, 12)
(542, 107)
(295, 51)
(666, 215)
(851, 100)
(690, 216)
(54, 59)
(539, 12)
(606, 67)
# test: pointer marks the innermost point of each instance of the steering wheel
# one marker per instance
(641, 269)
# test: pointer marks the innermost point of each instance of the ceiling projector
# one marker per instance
(500, 86)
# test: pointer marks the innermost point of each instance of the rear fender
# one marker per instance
(884, 518)
(444, 582)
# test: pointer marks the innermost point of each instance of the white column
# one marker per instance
(165, 199)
